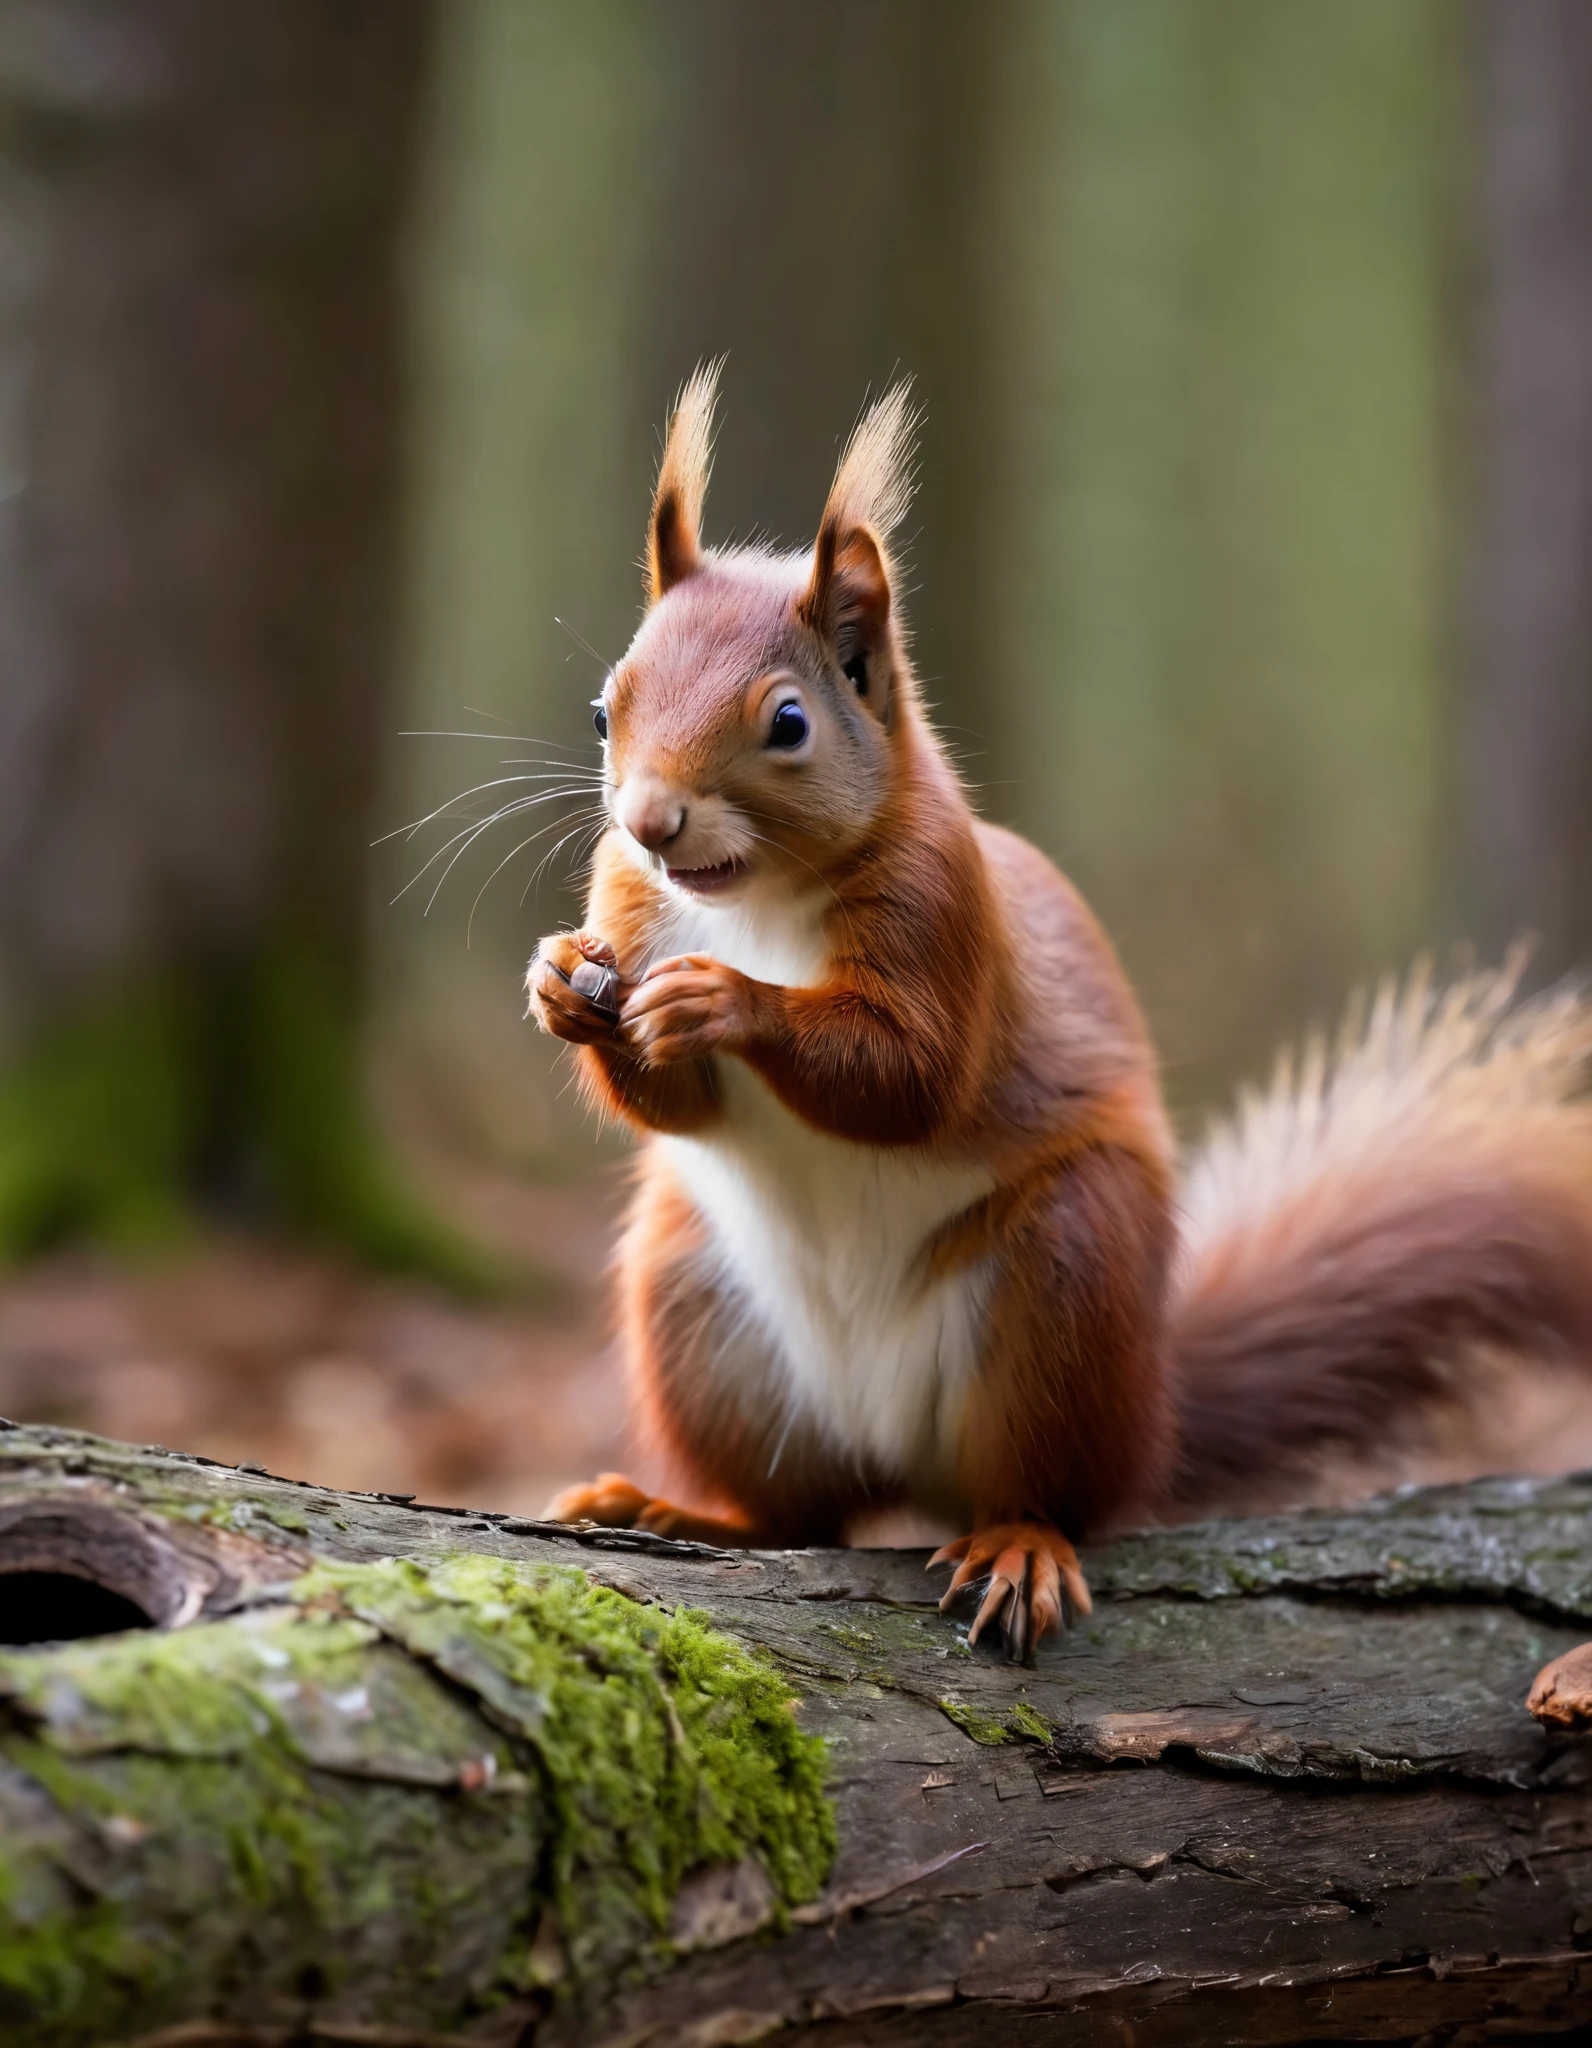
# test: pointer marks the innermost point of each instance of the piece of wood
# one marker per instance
(1562, 1694)
(1282, 1786)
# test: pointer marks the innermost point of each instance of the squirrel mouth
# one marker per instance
(707, 881)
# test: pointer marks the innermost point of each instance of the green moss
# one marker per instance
(1027, 1723)
(1020, 1723)
(664, 1745)
(67, 1970)
(202, 1821)
(286, 1518)
(981, 1727)
(226, 1812)
(860, 1639)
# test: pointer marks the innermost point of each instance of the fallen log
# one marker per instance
(321, 1767)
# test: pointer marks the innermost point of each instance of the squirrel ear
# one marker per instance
(847, 599)
(847, 603)
(674, 534)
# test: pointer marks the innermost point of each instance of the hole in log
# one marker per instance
(74, 1568)
(60, 1607)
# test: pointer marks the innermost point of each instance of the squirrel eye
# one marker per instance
(789, 728)
(599, 717)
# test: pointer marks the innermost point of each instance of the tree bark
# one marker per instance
(1282, 1786)
(1530, 727)
(203, 387)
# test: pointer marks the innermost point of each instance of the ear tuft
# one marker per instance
(674, 535)
(873, 485)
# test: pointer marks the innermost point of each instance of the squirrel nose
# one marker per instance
(652, 816)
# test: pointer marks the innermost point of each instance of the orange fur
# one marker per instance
(851, 1007)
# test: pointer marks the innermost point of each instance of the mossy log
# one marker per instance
(387, 1774)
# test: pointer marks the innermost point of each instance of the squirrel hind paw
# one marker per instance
(1034, 1581)
(611, 1501)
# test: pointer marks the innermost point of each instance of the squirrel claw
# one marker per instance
(1034, 1578)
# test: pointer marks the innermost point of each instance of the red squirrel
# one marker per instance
(908, 1226)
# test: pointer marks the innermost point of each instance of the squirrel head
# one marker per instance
(750, 727)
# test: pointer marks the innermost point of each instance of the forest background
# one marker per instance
(1249, 577)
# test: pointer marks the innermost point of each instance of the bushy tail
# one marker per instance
(1393, 1204)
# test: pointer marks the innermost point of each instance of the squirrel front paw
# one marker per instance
(574, 987)
(682, 1009)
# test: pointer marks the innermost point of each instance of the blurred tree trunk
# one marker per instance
(202, 376)
(1530, 797)
(1227, 321)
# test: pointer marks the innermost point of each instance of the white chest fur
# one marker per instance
(822, 1241)
(781, 942)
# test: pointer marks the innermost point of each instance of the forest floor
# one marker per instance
(245, 1350)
